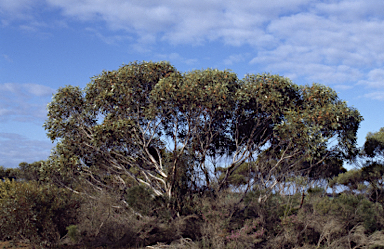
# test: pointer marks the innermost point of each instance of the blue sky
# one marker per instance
(47, 44)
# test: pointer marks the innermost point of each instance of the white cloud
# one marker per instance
(38, 90)
(11, 10)
(24, 102)
(112, 39)
(29, 88)
(322, 41)
(33, 26)
(343, 87)
(128, 15)
(351, 10)
(235, 58)
(375, 95)
(16, 148)
(236, 23)
(375, 79)
(176, 57)
(324, 47)
(192, 21)
(15, 6)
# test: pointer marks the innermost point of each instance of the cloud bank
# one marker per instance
(330, 42)
(24, 102)
(16, 148)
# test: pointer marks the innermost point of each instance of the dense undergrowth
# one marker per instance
(46, 215)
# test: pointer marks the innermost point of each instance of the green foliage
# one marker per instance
(374, 144)
(103, 222)
(197, 159)
(342, 222)
(8, 173)
(143, 200)
(39, 213)
(240, 177)
(351, 210)
(368, 180)
(73, 233)
(223, 221)
(30, 171)
(351, 179)
(146, 123)
(162, 146)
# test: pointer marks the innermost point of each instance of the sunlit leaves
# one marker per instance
(127, 90)
(374, 144)
(112, 125)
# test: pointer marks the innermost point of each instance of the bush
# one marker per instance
(342, 222)
(351, 210)
(38, 213)
(104, 221)
(144, 201)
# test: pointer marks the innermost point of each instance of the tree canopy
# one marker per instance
(148, 123)
(374, 144)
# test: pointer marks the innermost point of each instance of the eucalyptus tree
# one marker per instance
(150, 124)
(374, 145)
(372, 170)
(8, 173)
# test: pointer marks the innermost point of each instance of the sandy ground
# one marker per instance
(8, 244)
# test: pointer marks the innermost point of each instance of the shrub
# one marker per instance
(103, 221)
(143, 201)
(38, 213)
(73, 233)
(351, 210)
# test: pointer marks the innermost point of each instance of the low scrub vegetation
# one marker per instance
(48, 216)
(39, 213)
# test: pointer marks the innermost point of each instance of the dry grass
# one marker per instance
(181, 243)
(11, 244)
